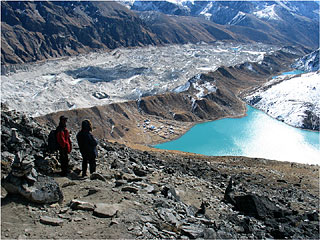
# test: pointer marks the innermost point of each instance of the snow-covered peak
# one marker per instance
(222, 12)
(238, 18)
(206, 11)
(268, 13)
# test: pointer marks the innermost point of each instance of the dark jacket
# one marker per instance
(87, 144)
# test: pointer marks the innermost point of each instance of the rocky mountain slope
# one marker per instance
(295, 22)
(204, 97)
(35, 31)
(308, 63)
(151, 195)
(185, 29)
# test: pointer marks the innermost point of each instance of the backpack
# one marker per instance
(53, 144)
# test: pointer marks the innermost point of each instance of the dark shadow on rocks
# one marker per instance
(18, 199)
(98, 74)
(280, 223)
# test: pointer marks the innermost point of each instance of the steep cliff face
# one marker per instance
(33, 31)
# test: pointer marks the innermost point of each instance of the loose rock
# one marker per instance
(80, 205)
(105, 210)
(51, 221)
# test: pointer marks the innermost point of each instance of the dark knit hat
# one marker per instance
(63, 118)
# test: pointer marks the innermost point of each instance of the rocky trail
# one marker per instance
(149, 194)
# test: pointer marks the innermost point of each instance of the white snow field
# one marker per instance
(289, 99)
(117, 76)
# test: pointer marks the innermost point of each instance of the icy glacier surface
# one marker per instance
(118, 75)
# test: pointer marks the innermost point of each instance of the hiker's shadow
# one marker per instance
(71, 176)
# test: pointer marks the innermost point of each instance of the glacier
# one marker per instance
(116, 76)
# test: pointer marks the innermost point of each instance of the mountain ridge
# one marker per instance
(295, 21)
(35, 31)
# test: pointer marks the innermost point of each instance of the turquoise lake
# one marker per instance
(294, 72)
(256, 135)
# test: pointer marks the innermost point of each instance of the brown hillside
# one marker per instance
(33, 31)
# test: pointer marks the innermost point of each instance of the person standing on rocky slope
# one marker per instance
(63, 138)
(88, 147)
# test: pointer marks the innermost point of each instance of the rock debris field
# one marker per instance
(117, 76)
(139, 194)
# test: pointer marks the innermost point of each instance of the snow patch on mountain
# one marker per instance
(268, 13)
(182, 88)
(203, 88)
(238, 18)
(206, 11)
(249, 67)
(308, 63)
(285, 6)
(289, 100)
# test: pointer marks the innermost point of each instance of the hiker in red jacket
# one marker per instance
(63, 138)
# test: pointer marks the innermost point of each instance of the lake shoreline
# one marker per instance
(242, 142)
(292, 100)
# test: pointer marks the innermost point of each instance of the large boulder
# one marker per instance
(24, 180)
(44, 190)
(257, 206)
(260, 207)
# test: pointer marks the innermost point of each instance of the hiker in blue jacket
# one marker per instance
(88, 147)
